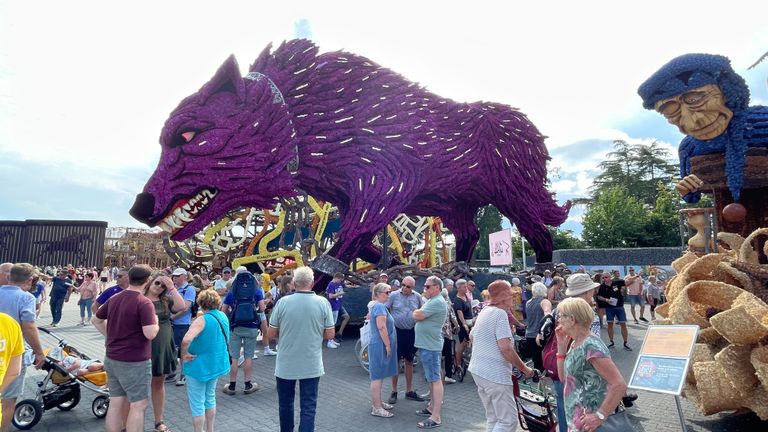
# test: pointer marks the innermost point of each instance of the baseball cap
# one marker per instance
(226, 270)
(241, 269)
(179, 271)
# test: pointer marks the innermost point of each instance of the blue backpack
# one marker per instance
(243, 294)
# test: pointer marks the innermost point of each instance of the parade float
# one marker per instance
(345, 133)
(722, 280)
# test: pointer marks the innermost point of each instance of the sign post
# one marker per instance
(664, 360)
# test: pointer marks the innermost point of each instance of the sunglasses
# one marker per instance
(408, 286)
(158, 283)
(385, 292)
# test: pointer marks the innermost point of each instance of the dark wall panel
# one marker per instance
(12, 244)
(45, 242)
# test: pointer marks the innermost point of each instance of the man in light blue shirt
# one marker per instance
(20, 305)
(302, 321)
(180, 320)
(402, 303)
(429, 340)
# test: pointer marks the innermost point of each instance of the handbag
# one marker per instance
(365, 333)
(617, 422)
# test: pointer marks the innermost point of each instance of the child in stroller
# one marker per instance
(82, 366)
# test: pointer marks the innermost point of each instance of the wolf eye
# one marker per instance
(183, 138)
(188, 136)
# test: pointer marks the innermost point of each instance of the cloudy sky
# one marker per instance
(85, 86)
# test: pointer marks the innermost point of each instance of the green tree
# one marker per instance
(564, 239)
(614, 219)
(488, 220)
(638, 168)
(662, 226)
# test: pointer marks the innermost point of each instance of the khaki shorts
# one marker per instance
(129, 379)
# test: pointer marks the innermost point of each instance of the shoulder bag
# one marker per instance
(223, 333)
(617, 422)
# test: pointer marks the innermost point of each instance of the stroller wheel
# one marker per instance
(27, 413)
(100, 406)
(68, 405)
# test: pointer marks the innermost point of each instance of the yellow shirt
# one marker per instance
(11, 344)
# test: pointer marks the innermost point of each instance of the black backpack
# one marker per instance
(243, 293)
(194, 308)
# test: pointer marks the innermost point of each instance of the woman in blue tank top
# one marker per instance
(205, 354)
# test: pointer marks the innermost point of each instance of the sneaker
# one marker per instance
(250, 388)
(338, 339)
(392, 398)
(626, 347)
(413, 396)
(331, 344)
(643, 319)
(230, 390)
(170, 378)
(449, 380)
(255, 356)
(269, 352)
(181, 381)
(55, 325)
(629, 399)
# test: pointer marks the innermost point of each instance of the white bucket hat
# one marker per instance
(579, 283)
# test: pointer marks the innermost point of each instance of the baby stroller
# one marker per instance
(60, 388)
(535, 404)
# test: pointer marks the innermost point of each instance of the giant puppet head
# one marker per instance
(227, 146)
(698, 93)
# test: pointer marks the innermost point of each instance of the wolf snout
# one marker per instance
(143, 208)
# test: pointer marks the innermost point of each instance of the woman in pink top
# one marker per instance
(87, 290)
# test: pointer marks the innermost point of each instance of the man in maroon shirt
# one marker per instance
(129, 322)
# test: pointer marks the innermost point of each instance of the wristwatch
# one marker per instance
(600, 415)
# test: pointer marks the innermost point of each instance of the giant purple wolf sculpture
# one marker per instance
(356, 134)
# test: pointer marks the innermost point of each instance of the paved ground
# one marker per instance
(344, 402)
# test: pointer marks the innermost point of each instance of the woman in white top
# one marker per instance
(493, 356)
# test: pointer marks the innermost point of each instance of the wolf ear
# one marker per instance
(226, 79)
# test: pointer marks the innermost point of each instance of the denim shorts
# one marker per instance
(16, 387)
(244, 337)
(635, 300)
(618, 313)
(201, 395)
(128, 379)
(431, 363)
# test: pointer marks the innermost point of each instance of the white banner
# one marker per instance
(500, 245)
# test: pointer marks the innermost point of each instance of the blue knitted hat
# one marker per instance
(690, 71)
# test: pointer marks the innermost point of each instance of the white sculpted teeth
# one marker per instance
(187, 212)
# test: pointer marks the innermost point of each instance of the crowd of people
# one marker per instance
(170, 326)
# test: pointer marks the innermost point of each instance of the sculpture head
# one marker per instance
(227, 146)
(698, 93)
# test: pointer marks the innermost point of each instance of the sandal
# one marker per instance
(381, 412)
(161, 427)
(424, 412)
(387, 406)
(428, 424)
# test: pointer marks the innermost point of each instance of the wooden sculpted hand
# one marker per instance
(689, 184)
